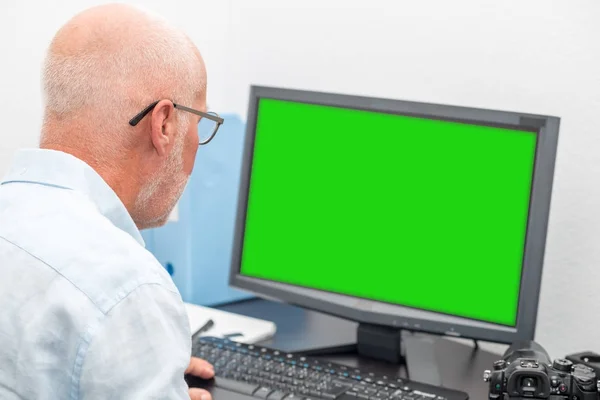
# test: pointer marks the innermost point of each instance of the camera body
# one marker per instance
(527, 372)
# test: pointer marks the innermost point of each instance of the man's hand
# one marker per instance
(201, 369)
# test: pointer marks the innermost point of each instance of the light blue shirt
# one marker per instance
(86, 312)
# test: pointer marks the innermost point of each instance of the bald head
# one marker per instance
(113, 57)
(102, 68)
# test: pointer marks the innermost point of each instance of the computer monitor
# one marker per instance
(406, 215)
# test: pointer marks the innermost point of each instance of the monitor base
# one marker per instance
(416, 352)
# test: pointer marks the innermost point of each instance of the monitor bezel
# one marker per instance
(366, 311)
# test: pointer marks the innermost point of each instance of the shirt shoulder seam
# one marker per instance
(54, 269)
(98, 307)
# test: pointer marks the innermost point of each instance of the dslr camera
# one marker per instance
(527, 372)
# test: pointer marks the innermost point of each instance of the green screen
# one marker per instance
(423, 213)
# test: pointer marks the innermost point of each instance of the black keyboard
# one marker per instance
(272, 375)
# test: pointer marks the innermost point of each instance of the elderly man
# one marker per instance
(87, 311)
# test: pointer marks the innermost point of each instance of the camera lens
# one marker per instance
(528, 384)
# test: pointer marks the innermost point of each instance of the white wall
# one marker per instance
(26, 28)
(538, 56)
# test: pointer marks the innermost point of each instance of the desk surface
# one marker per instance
(460, 366)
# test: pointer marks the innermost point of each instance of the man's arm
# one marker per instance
(140, 350)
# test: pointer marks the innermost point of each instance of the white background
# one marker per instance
(537, 56)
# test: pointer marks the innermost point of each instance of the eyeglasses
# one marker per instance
(205, 137)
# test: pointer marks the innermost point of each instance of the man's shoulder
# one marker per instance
(72, 239)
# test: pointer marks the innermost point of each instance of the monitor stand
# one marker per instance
(386, 344)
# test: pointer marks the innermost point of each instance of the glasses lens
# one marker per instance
(206, 128)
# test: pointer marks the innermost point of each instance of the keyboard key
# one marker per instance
(424, 395)
(263, 392)
(342, 382)
(333, 391)
(277, 395)
(235, 386)
(291, 388)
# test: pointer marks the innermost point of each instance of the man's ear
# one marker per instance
(163, 127)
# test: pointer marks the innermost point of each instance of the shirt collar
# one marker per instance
(55, 168)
